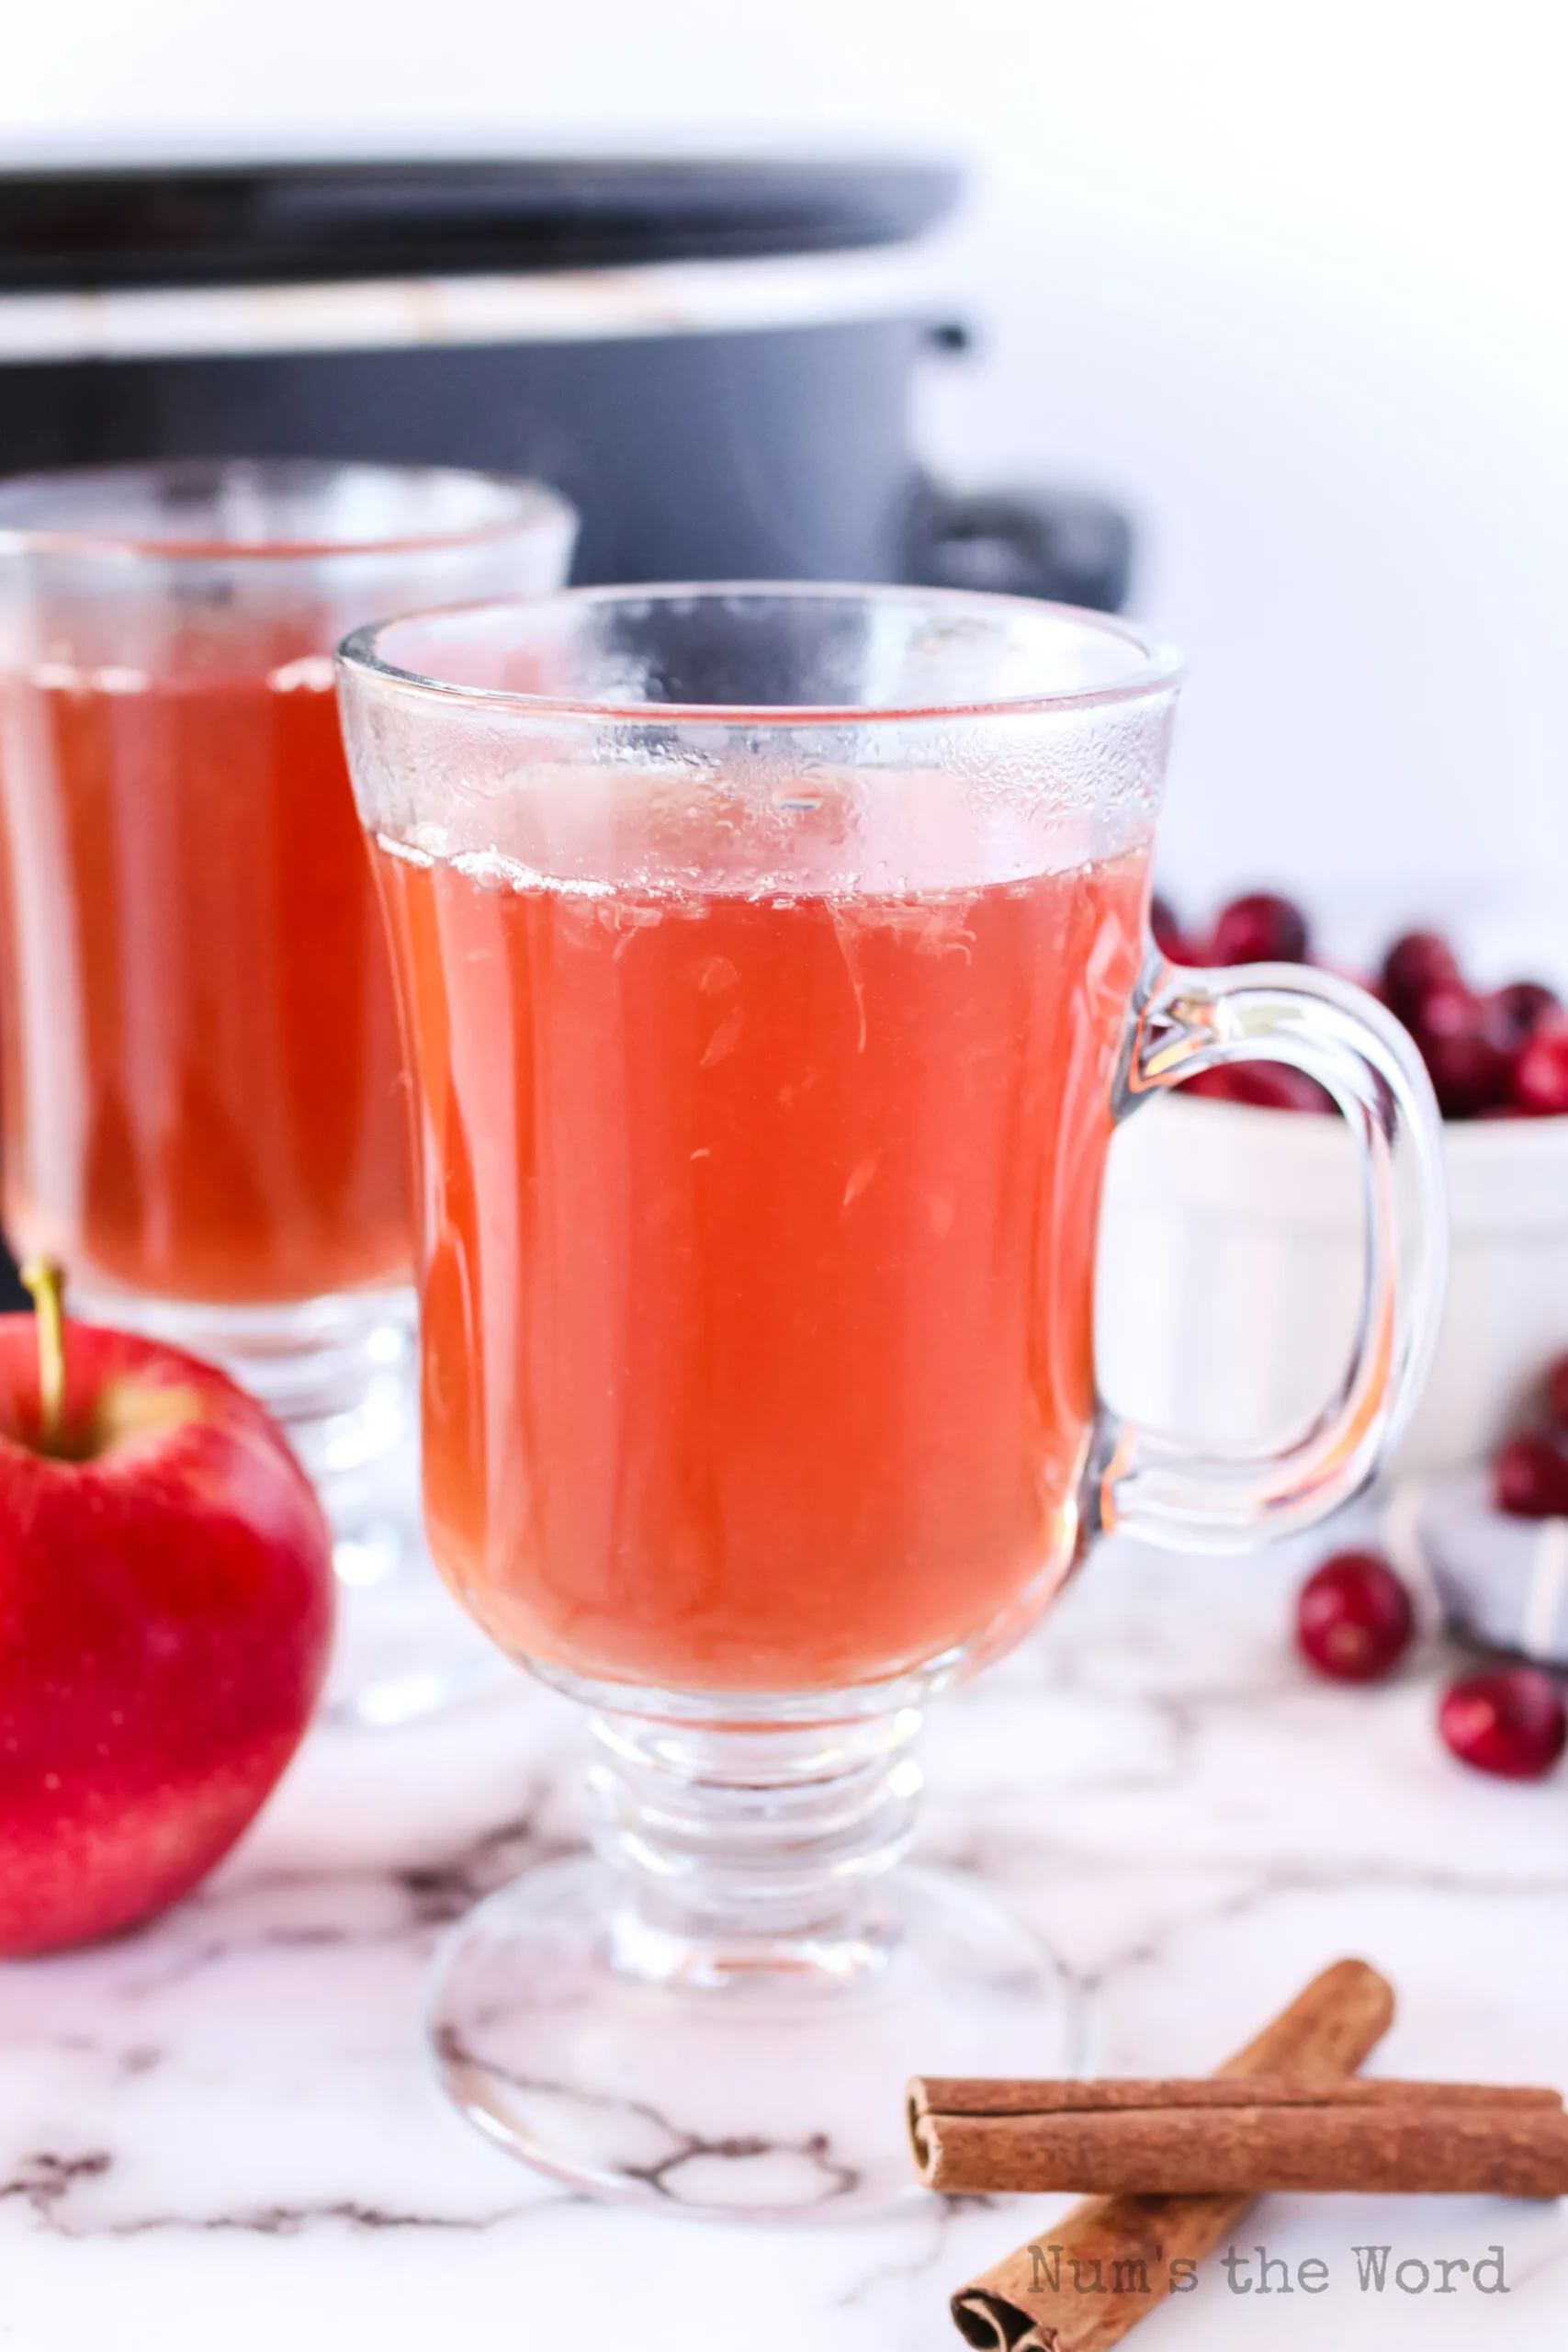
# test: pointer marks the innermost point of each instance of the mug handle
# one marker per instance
(1153, 1485)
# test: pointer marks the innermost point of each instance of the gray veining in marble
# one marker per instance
(224, 2127)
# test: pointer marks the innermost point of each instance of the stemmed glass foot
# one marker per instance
(718, 2014)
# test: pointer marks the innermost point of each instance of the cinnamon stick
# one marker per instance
(1243, 2134)
(1034, 2301)
(936, 2095)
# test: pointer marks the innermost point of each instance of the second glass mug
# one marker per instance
(204, 1113)
(773, 966)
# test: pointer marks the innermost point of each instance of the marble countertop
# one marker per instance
(224, 2127)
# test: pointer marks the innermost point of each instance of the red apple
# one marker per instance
(165, 1611)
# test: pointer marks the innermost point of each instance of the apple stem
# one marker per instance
(45, 1279)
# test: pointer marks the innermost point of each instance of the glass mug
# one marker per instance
(204, 1110)
(774, 968)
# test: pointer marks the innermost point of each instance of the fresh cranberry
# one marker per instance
(1529, 1479)
(1169, 935)
(1448, 1008)
(1266, 1086)
(1469, 1076)
(1511, 1723)
(1215, 1085)
(1261, 928)
(1513, 1013)
(1419, 961)
(1468, 1069)
(1556, 1389)
(1540, 1070)
(1353, 1617)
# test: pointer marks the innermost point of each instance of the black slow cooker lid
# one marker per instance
(266, 223)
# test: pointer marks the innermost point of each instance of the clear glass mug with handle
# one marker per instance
(774, 968)
(204, 1109)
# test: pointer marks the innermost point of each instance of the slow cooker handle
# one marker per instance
(1055, 544)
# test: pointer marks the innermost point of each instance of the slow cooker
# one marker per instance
(712, 358)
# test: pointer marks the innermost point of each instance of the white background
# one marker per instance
(1290, 280)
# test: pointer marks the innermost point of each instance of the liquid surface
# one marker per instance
(757, 1259)
(198, 1042)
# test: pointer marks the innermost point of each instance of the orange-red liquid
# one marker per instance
(201, 1068)
(757, 1260)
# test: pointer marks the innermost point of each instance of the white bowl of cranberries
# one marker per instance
(1491, 1054)
(1232, 1233)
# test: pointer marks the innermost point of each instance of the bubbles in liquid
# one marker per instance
(936, 918)
(774, 831)
(110, 678)
(407, 851)
(311, 673)
(492, 870)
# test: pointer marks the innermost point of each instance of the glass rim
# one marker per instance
(1161, 671)
(522, 505)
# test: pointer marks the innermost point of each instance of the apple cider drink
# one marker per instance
(758, 1259)
(222, 1116)
(772, 972)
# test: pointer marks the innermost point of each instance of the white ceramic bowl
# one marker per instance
(1230, 1260)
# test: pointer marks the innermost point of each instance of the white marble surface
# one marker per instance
(220, 2132)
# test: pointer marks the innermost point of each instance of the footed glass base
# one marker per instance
(774, 2090)
(404, 1649)
(738, 2045)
